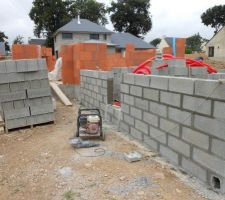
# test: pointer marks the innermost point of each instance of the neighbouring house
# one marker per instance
(122, 39)
(2, 49)
(173, 45)
(80, 30)
(41, 42)
(215, 48)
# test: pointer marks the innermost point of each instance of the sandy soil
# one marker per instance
(40, 164)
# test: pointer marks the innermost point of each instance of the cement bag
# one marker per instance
(56, 74)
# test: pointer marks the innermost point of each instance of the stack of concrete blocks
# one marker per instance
(96, 89)
(25, 94)
(177, 67)
(113, 114)
(216, 76)
(182, 118)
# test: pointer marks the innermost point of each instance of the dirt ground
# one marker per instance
(40, 164)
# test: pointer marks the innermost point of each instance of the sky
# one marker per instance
(172, 18)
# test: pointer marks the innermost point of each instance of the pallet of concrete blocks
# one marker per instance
(25, 94)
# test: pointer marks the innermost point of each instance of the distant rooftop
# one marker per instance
(82, 27)
(37, 41)
(169, 40)
(122, 39)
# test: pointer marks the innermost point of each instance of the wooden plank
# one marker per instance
(60, 94)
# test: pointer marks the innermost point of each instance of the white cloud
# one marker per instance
(172, 18)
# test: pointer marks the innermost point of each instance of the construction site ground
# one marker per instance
(39, 164)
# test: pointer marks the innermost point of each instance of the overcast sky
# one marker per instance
(177, 18)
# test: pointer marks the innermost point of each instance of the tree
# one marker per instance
(18, 40)
(214, 17)
(131, 16)
(3, 38)
(194, 42)
(89, 9)
(48, 16)
(155, 42)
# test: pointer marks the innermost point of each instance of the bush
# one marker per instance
(188, 51)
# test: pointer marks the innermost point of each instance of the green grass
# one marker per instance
(70, 195)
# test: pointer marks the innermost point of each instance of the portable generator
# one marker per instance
(89, 121)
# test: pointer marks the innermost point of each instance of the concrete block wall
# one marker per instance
(25, 94)
(96, 89)
(182, 118)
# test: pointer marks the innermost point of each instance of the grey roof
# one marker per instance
(37, 41)
(84, 26)
(122, 39)
(99, 42)
(169, 40)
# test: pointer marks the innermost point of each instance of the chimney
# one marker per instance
(78, 19)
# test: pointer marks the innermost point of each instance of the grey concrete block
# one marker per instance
(170, 98)
(2, 67)
(142, 80)
(195, 138)
(218, 148)
(104, 84)
(40, 119)
(125, 108)
(21, 66)
(210, 126)
(45, 84)
(10, 66)
(158, 109)
(141, 104)
(35, 84)
(13, 77)
(163, 71)
(210, 88)
(159, 82)
(124, 88)
(195, 104)
(137, 113)
(42, 92)
(43, 109)
(141, 126)
(105, 75)
(20, 86)
(99, 81)
(158, 135)
(42, 64)
(180, 116)
(179, 146)
(157, 63)
(136, 91)
(7, 106)
(178, 71)
(17, 113)
(136, 134)
(12, 96)
(170, 127)
(32, 65)
(169, 154)
(151, 94)
(194, 169)
(209, 161)
(16, 123)
(151, 143)
(150, 119)
(19, 104)
(128, 99)
(181, 85)
(128, 119)
(181, 63)
(198, 71)
(128, 78)
(219, 110)
(4, 88)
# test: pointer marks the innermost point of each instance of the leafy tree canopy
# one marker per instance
(3, 38)
(155, 42)
(195, 42)
(89, 9)
(18, 40)
(214, 17)
(131, 16)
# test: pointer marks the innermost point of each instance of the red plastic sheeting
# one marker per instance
(144, 69)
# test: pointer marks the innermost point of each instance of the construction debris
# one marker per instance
(133, 156)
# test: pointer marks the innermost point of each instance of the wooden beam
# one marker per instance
(60, 94)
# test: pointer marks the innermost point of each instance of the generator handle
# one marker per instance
(89, 109)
